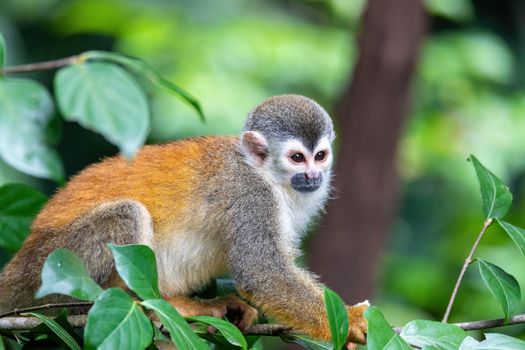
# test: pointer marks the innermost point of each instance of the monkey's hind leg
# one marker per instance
(234, 309)
(120, 222)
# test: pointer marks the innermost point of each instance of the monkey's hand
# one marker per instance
(234, 309)
(238, 312)
(357, 324)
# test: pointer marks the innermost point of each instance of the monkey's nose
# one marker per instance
(311, 174)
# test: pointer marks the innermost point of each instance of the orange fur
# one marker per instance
(159, 176)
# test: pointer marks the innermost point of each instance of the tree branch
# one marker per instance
(46, 65)
(78, 321)
(484, 324)
(25, 323)
(45, 307)
(267, 329)
(468, 260)
(20, 323)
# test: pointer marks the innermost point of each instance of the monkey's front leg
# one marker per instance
(234, 309)
(357, 324)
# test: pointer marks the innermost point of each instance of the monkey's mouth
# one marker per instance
(300, 183)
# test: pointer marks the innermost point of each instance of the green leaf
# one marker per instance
(443, 335)
(311, 344)
(257, 345)
(18, 343)
(502, 285)
(10, 344)
(117, 322)
(54, 130)
(148, 72)
(64, 273)
(456, 10)
(232, 334)
(19, 205)
(216, 338)
(468, 343)
(26, 109)
(380, 333)
(61, 319)
(252, 341)
(516, 233)
(2, 52)
(337, 318)
(105, 98)
(495, 194)
(496, 341)
(58, 330)
(136, 265)
(181, 333)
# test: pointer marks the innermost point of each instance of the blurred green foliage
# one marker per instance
(468, 97)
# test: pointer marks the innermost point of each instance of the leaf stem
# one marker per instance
(468, 260)
(46, 65)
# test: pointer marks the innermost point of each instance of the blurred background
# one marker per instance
(412, 99)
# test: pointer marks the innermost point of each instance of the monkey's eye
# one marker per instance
(321, 155)
(297, 157)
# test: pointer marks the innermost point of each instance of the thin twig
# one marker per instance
(468, 260)
(484, 324)
(34, 67)
(46, 307)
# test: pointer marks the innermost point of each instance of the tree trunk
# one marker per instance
(371, 115)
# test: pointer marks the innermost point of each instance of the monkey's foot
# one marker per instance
(357, 324)
(234, 309)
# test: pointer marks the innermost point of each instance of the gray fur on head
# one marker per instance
(291, 116)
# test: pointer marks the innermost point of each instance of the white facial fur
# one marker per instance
(310, 167)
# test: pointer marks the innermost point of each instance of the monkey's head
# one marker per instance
(290, 137)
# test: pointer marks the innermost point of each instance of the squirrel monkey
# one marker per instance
(205, 205)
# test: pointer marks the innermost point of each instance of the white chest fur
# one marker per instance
(189, 260)
(297, 211)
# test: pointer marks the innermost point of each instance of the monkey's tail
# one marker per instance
(17, 285)
(21, 277)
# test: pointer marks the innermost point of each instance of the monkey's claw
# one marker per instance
(358, 325)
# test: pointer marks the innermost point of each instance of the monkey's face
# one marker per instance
(305, 168)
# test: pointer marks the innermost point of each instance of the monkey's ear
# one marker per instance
(254, 146)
